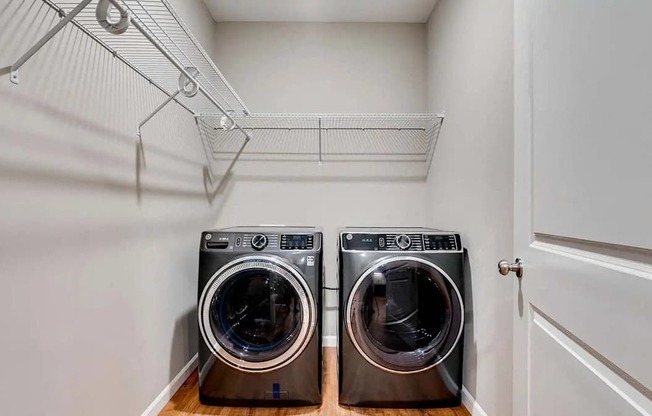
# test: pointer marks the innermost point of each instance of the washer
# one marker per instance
(259, 316)
(401, 317)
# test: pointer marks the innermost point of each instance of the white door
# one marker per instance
(583, 207)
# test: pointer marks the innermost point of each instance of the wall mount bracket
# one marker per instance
(14, 76)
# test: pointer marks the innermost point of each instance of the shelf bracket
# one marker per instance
(153, 113)
(148, 118)
(13, 74)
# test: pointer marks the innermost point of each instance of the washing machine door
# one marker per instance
(405, 315)
(257, 313)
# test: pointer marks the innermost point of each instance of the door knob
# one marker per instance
(504, 267)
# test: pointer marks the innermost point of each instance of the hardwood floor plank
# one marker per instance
(186, 402)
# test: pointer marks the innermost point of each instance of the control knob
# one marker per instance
(259, 242)
(403, 241)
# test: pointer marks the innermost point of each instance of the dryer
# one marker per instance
(259, 316)
(401, 317)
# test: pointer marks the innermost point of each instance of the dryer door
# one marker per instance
(257, 313)
(405, 315)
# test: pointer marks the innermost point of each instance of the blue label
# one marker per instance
(276, 390)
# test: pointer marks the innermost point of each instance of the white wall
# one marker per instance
(98, 284)
(295, 67)
(470, 55)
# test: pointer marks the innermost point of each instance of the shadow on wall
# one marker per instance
(185, 341)
(172, 176)
(470, 345)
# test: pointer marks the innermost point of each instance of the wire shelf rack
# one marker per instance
(327, 137)
(163, 24)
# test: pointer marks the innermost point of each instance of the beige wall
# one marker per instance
(470, 75)
(325, 67)
(295, 67)
(98, 286)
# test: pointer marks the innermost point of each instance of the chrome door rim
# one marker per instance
(361, 279)
(308, 307)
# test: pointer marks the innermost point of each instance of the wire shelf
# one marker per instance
(327, 137)
(163, 24)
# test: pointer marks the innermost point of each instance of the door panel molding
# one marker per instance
(630, 262)
(634, 254)
(618, 380)
(591, 100)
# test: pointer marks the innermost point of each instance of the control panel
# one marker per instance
(297, 241)
(441, 242)
(400, 242)
(252, 241)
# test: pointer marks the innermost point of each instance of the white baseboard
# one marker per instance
(164, 396)
(329, 341)
(471, 405)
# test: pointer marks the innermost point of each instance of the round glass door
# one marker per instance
(257, 313)
(405, 315)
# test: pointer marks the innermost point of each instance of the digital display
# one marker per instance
(297, 240)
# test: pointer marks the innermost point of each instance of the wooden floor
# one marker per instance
(186, 401)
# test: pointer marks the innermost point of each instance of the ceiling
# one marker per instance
(404, 11)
